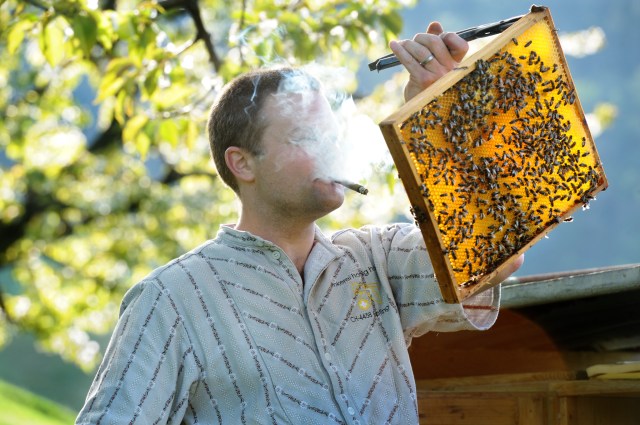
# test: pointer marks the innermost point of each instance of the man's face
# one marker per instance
(298, 144)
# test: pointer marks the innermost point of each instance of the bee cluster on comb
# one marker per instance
(497, 157)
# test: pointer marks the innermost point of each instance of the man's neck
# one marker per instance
(295, 239)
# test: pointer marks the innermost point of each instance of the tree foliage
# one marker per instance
(105, 170)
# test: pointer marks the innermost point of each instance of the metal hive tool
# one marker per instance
(495, 154)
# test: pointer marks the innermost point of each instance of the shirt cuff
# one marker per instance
(482, 309)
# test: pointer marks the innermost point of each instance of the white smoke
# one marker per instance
(345, 144)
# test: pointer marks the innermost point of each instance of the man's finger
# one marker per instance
(435, 28)
(456, 45)
(411, 62)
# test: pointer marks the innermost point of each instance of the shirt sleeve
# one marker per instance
(415, 288)
(148, 369)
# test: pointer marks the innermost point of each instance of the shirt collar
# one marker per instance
(230, 235)
(323, 251)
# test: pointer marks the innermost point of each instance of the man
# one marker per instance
(272, 322)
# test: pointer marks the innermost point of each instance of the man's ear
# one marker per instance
(240, 163)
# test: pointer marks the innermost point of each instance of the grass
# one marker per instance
(20, 407)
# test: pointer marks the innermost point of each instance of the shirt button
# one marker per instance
(276, 254)
(327, 356)
(351, 410)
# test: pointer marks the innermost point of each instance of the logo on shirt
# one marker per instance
(366, 294)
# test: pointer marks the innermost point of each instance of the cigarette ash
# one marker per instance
(501, 156)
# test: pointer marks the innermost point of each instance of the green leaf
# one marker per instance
(171, 96)
(391, 23)
(193, 131)
(289, 18)
(121, 106)
(142, 144)
(117, 74)
(168, 132)
(85, 32)
(105, 33)
(17, 34)
(118, 65)
(133, 127)
(150, 83)
(52, 41)
(109, 87)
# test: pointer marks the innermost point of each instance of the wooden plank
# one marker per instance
(532, 410)
(560, 410)
(556, 398)
(596, 387)
(494, 380)
(603, 411)
(468, 409)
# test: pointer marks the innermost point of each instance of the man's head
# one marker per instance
(238, 118)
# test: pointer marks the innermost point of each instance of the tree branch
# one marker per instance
(193, 8)
(15, 230)
(109, 137)
(173, 176)
(3, 308)
(109, 5)
(39, 4)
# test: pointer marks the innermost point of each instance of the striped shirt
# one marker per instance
(231, 333)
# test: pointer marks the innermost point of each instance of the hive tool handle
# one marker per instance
(468, 34)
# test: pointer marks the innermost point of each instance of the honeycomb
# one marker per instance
(497, 159)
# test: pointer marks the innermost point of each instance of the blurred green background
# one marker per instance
(106, 175)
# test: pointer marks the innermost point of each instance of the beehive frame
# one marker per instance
(494, 155)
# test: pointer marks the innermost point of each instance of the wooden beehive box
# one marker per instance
(495, 154)
(557, 398)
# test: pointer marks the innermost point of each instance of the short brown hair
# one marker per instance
(236, 119)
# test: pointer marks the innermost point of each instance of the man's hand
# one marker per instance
(428, 56)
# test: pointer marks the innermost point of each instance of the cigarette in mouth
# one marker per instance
(353, 186)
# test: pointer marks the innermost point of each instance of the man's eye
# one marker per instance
(302, 140)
